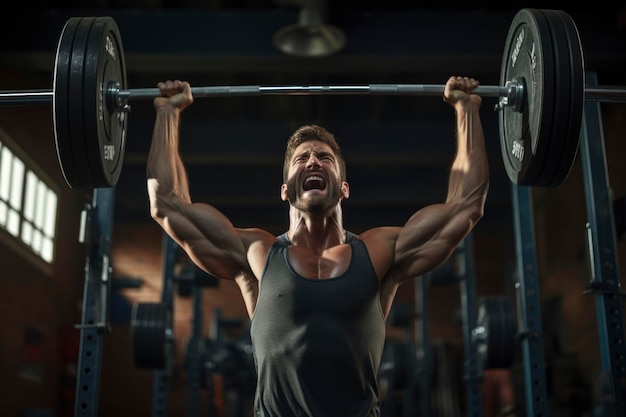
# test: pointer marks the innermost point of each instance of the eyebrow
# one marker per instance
(308, 152)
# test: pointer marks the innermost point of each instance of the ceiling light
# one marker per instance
(311, 36)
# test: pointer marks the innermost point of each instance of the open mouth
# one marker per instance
(314, 182)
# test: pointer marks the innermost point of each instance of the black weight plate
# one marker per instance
(76, 102)
(524, 135)
(577, 97)
(105, 128)
(60, 104)
(496, 315)
(150, 323)
(561, 110)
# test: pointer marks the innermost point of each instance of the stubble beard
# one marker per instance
(316, 205)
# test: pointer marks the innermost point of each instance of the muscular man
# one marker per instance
(318, 295)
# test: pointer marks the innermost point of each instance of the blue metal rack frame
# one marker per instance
(605, 281)
(529, 304)
(98, 228)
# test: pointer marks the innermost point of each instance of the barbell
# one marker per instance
(540, 104)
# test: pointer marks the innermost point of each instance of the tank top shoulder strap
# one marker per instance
(283, 239)
(349, 237)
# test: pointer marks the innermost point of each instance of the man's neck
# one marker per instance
(315, 232)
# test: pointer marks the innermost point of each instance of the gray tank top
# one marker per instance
(317, 343)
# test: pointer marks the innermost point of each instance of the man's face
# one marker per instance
(313, 181)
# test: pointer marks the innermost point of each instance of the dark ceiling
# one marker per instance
(398, 148)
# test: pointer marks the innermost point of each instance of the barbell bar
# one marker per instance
(542, 93)
(115, 95)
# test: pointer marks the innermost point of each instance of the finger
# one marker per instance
(461, 83)
(466, 84)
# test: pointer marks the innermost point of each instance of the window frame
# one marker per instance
(16, 242)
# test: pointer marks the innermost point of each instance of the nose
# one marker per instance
(313, 161)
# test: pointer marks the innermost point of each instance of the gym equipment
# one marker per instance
(604, 264)
(151, 325)
(152, 332)
(495, 332)
(540, 103)
(97, 227)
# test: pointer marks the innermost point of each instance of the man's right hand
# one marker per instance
(174, 94)
(458, 91)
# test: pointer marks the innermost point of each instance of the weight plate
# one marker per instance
(76, 103)
(105, 128)
(150, 325)
(561, 110)
(497, 322)
(60, 104)
(576, 101)
(525, 134)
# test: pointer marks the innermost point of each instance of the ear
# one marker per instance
(283, 192)
(345, 189)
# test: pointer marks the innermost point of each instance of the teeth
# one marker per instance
(317, 180)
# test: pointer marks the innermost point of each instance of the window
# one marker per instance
(28, 206)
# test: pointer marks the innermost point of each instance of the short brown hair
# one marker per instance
(313, 132)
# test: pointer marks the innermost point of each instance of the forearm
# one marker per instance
(469, 175)
(431, 234)
(165, 165)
